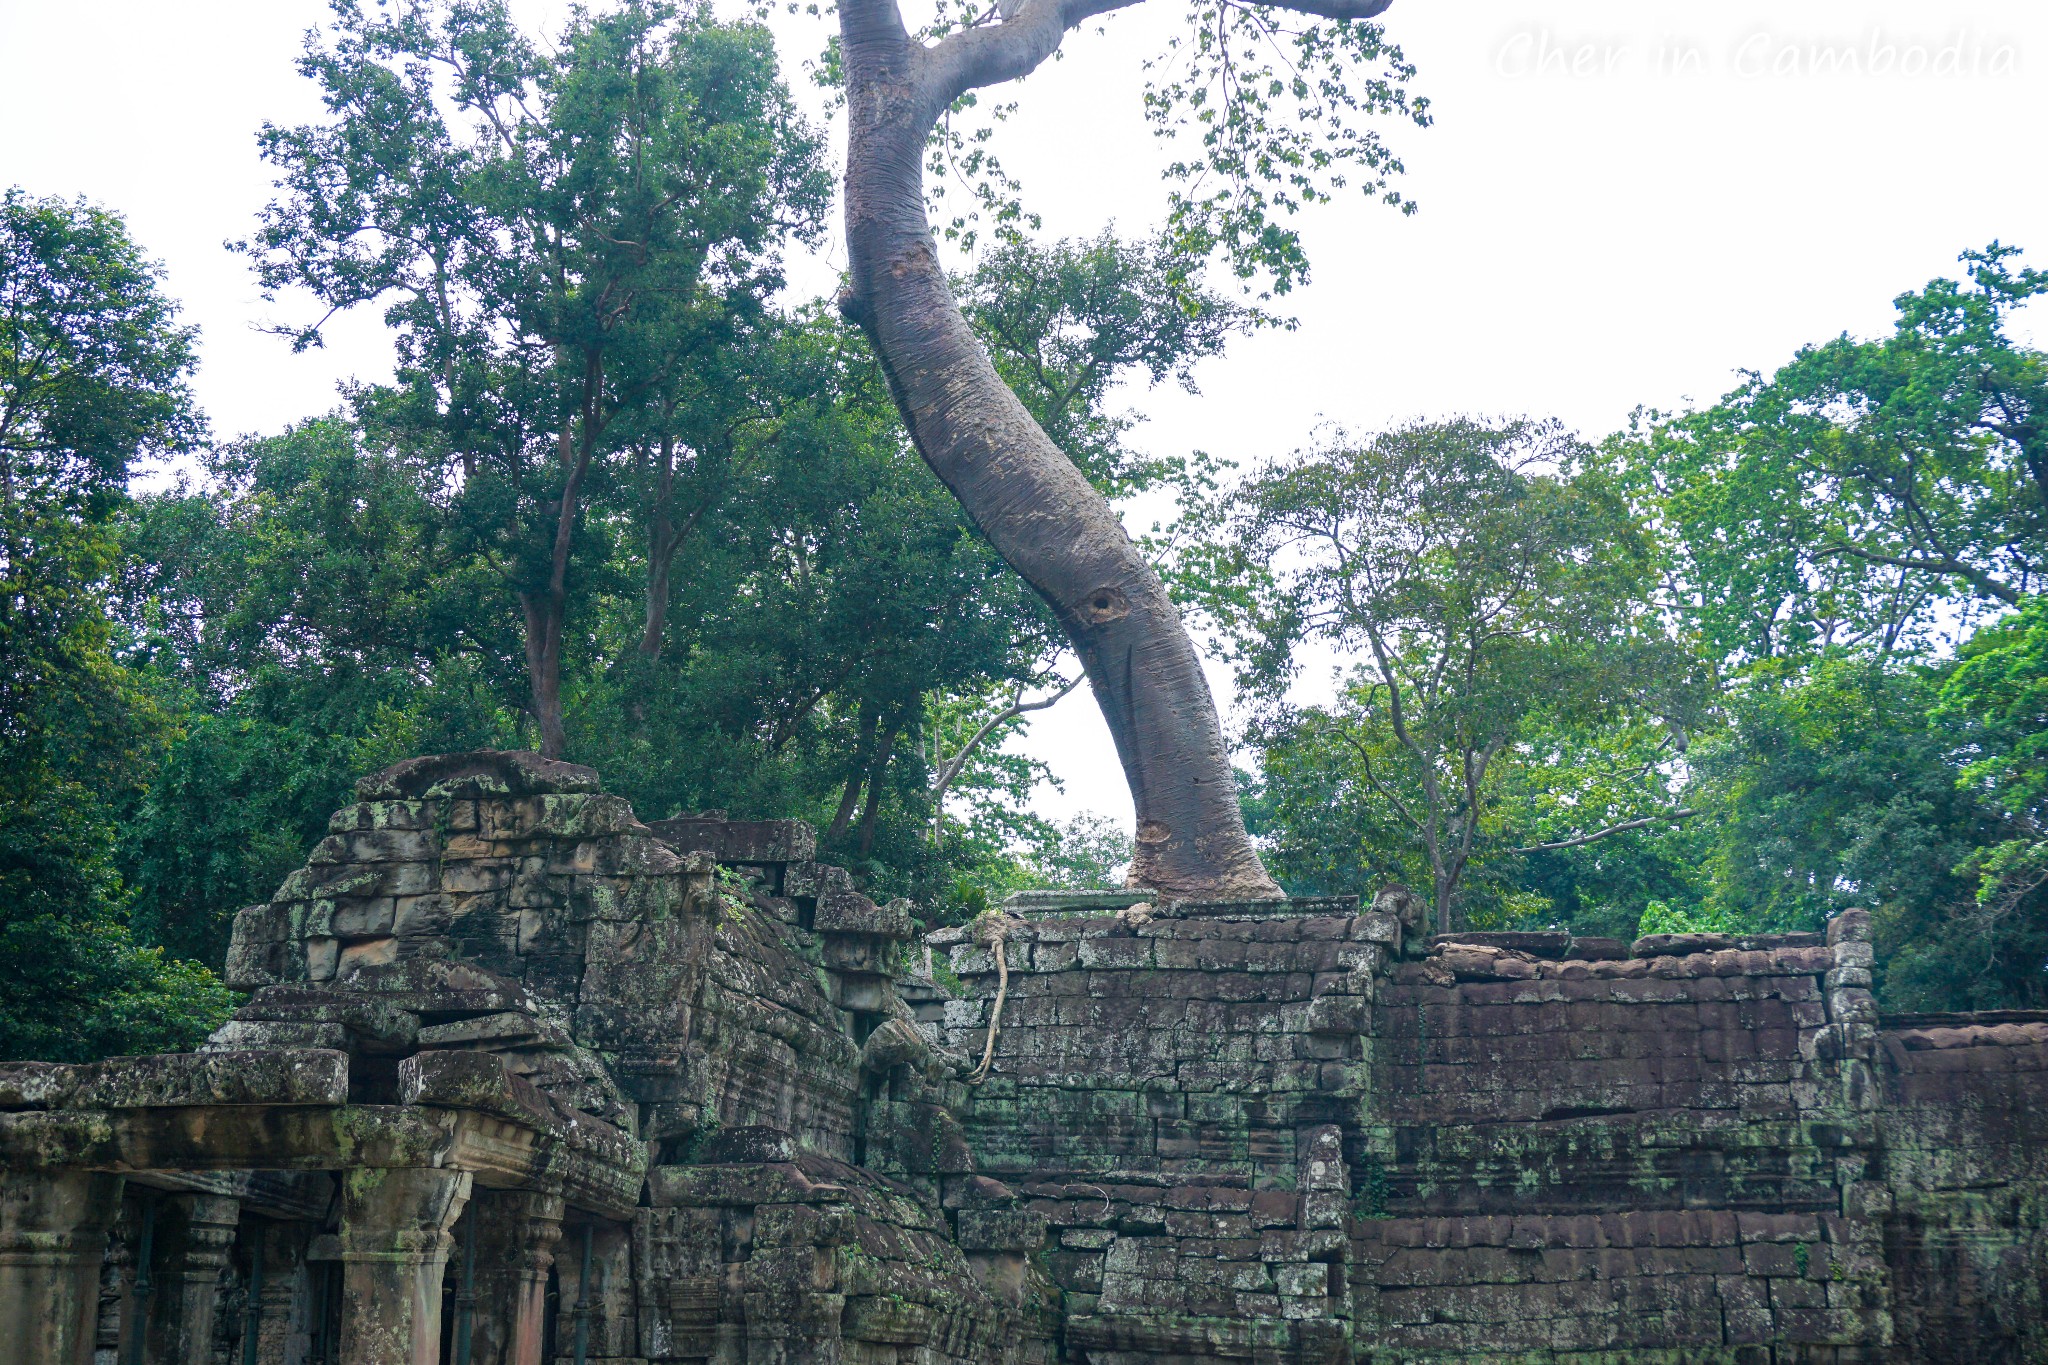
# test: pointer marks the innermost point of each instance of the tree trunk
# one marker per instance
(544, 671)
(1034, 506)
(547, 615)
(660, 554)
(850, 800)
(873, 806)
(656, 621)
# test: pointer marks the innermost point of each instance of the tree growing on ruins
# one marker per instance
(1275, 95)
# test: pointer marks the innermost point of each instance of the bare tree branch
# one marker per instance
(1017, 707)
(1611, 829)
(1978, 579)
(971, 58)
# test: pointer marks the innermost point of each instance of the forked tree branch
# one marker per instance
(968, 59)
(1017, 707)
(1947, 564)
(1624, 826)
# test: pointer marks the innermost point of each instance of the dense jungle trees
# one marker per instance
(1501, 600)
(626, 499)
(573, 245)
(93, 381)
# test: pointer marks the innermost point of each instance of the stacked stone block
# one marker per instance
(520, 1072)
(1171, 1093)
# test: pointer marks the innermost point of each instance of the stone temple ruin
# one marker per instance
(522, 1079)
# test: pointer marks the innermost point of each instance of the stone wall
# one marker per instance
(1646, 1154)
(1964, 1134)
(522, 1078)
(1171, 1094)
(1285, 1133)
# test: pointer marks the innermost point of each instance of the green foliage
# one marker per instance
(1084, 852)
(1066, 323)
(1832, 529)
(1998, 696)
(1832, 790)
(78, 986)
(1279, 103)
(1520, 692)
(1869, 493)
(93, 371)
(1279, 106)
(1995, 703)
(569, 240)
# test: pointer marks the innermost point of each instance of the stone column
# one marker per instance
(281, 1334)
(195, 1234)
(394, 1248)
(609, 1322)
(516, 1235)
(53, 1236)
(117, 1287)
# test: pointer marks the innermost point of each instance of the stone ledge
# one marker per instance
(755, 842)
(479, 773)
(286, 1077)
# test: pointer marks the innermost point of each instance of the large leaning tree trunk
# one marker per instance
(1036, 508)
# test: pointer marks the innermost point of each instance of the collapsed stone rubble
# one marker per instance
(521, 1078)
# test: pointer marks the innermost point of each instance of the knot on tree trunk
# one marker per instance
(1104, 605)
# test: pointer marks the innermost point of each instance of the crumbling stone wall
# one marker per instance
(1298, 1133)
(523, 1078)
(1964, 1131)
(1172, 1093)
(1646, 1154)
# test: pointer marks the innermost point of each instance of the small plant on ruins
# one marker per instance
(733, 891)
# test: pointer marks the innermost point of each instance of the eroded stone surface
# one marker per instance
(501, 1030)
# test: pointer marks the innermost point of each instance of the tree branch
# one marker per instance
(1623, 827)
(970, 58)
(1978, 579)
(1017, 707)
(1335, 9)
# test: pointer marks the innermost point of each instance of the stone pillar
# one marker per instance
(394, 1248)
(195, 1234)
(516, 1234)
(117, 1287)
(610, 1322)
(282, 1337)
(53, 1236)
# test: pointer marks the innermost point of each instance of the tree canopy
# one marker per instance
(1501, 604)
(94, 371)
(565, 238)
(629, 500)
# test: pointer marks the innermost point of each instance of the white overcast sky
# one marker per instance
(1622, 203)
